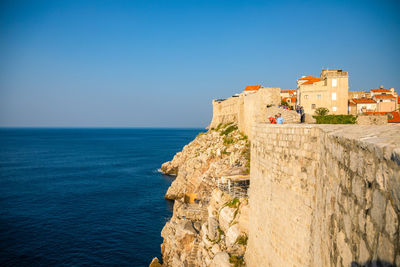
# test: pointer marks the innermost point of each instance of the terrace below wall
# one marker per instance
(324, 195)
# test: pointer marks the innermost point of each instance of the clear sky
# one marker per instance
(160, 63)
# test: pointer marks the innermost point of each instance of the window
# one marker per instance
(334, 82)
(305, 96)
(318, 96)
(333, 96)
(313, 106)
(334, 108)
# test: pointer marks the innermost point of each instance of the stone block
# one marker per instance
(344, 249)
(385, 249)
(378, 208)
(391, 222)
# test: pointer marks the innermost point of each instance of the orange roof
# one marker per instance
(288, 91)
(384, 96)
(380, 90)
(309, 78)
(252, 87)
(363, 100)
(398, 100)
(310, 81)
(351, 103)
(395, 114)
(292, 99)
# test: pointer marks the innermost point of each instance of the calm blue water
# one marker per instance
(76, 197)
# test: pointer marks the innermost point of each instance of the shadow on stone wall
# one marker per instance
(375, 263)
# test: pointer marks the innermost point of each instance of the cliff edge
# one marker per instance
(209, 225)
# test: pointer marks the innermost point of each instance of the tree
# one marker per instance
(321, 111)
(284, 103)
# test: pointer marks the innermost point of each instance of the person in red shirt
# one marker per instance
(272, 120)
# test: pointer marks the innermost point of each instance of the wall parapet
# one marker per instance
(324, 195)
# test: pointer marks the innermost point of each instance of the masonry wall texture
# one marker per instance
(372, 119)
(324, 195)
(246, 110)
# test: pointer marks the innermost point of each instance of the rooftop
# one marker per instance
(311, 81)
(385, 96)
(252, 87)
(381, 90)
(308, 78)
(363, 100)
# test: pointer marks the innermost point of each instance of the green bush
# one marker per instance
(234, 203)
(229, 129)
(228, 140)
(200, 134)
(336, 119)
(321, 111)
(237, 261)
(242, 240)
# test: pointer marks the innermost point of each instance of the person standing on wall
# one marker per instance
(302, 115)
(279, 118)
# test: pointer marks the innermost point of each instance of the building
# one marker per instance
(249, 89)
(330, 91)
(359, 94)
(362, 105)
(379, 101)
(290, 96)
(387, 99)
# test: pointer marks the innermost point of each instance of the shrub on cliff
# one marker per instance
(336, 119)
(229, 129)
(237, 261)
(242, 240)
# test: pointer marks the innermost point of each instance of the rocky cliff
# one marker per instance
(211, 230)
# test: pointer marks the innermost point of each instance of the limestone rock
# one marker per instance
(220, 259)
(243, 220)
(226, 216)
(232, 234)
(212, 228)
(155, 263)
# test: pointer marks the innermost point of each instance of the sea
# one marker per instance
(84, 197)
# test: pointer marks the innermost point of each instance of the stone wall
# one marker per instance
(324, 195)
(245, 109)
(372, 119)
(225, 111)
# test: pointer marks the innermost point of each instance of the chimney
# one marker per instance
(381, 87)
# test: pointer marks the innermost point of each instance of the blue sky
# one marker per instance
(160, 63)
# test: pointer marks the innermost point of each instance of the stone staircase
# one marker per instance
(193, 254)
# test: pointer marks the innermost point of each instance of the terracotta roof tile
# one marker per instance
(363, 100)
(385, 96)
(252, 87)
(309, 78)
(292, 99)
(380, 90)
(288, 91)
(310, 81)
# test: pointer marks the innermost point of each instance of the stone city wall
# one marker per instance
(245, 109)
(324, 195)
(225, 111)
(372, 119)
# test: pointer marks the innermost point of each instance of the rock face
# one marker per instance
(210, 155)
(213, 231)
